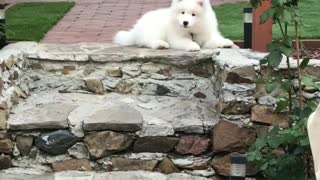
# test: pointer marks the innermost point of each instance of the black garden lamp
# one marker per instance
(238, 167)
(247, 28)
(2, 26)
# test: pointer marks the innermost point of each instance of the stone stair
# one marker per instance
(119, 113)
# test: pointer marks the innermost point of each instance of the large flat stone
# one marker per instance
(43, 116)
(84, 52)
(116, 118)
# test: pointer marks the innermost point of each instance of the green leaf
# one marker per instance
(287, 85)
(304, 142)
(304, 63)
(271, 86)
(282, 105)
(307, 80)
(268, 14)
(286, 50)
(260, 142)
(274, 58)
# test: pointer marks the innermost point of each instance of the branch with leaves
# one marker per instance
(281, 153)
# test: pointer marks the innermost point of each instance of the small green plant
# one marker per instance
(284, 153)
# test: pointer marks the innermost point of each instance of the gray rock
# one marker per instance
(204, 173)
(57, 142)
(153, 126)
(131, 70)
(117, 118)
(104, 143)
(155, 144)
(24, 144)
(124, 164)
(192, 162)
(77, 116)
(43, 116)
(79, 151)
(170, 56)
(5, 162)
(267, 100)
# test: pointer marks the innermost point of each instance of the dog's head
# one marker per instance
(188, 12)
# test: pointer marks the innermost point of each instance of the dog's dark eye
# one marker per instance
(193, 14)
(182, 12)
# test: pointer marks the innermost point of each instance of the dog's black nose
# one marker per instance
(185, 23)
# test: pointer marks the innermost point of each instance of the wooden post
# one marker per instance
(261, 33)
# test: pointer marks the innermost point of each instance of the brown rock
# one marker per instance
(222, 165)
(114, 71)
(155, 144)
(5, 162)
(95, 86)
(203, 70)
(72, 165)
(265, 115)
(124, 164)
(192, 145)
(3, 119)
(313, 71)
(245, 74)
(105, 143)
(5, 145)
(236, 106)
(67, 69)
(126, 86)
(167, 167)
(228, 136)
(24, 144)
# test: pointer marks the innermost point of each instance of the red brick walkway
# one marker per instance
(99, 20)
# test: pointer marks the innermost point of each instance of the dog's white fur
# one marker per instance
(165, 28)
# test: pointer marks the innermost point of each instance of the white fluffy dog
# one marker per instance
(186, 25)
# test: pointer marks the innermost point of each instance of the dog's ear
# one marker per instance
(200, 2)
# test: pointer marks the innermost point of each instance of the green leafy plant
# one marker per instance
(284, 153)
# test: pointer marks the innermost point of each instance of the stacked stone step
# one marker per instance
(94, 108)
(98, 107)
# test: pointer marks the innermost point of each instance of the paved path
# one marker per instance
(99, 20)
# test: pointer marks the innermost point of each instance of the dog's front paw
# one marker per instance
(159, 44)
(193, 47)
(225, 43)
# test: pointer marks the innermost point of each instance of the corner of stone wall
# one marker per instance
(12, 87)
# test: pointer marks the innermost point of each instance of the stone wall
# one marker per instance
(93, 107)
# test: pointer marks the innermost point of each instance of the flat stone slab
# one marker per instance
(132, 175)
(114, 112)
(51, 115)
(116, 118)
(84, 52)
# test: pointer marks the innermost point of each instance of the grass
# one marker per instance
(31, 21)
(230, 18)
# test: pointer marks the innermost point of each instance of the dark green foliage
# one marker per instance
(281, 153)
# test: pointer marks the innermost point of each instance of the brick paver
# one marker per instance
(99, 20)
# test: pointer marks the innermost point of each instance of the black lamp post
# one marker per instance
(247, 28)
(238, 167)
(2, 26)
